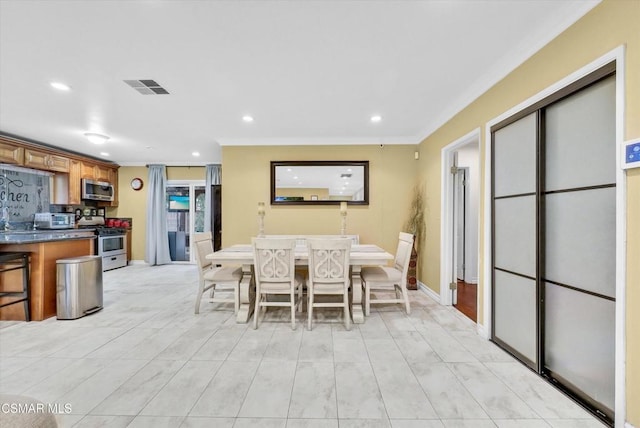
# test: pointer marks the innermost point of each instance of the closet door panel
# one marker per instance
(580, 240)
(580, 138)
(515, 313)
(514, 150)
(580, 341)
(515, 234)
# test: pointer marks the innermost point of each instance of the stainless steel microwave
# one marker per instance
(53, 220)
(93, 190)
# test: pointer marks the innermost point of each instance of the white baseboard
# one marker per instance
(137, 262)
(628, 425)
(482, 331)
(429, 292)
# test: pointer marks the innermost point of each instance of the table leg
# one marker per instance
(247, 295)
(356, 296)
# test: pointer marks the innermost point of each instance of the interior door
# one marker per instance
(461, 221)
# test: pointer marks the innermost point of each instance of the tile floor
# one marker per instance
(147, 361)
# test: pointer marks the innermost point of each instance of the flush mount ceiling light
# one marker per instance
(60, 86)
(376, 118)
(247, 118)
(96, 138)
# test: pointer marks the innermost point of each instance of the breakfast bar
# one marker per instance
(45, 248)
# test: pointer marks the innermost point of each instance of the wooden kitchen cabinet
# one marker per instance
(11, 153)
(75, 176)
(87, 170)
(96, 172)
(113, 179)
(47, 161)
(74, 167)
(102, 173)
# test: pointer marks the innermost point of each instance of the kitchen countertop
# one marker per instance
(34, 236)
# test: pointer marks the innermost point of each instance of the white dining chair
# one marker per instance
(275, 273)
(385, 278)
(328, 275)
(217, 279)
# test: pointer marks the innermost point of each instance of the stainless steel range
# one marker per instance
(111, 244)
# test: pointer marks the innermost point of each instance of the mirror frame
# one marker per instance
(275, 164)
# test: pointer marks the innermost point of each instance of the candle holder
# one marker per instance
(261, 212)
(343, 215)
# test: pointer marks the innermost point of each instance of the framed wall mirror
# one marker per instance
(319, 182)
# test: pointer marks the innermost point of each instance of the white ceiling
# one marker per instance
(309, 72)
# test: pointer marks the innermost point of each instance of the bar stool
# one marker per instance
(17, 260)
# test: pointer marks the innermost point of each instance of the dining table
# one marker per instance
(242, 254)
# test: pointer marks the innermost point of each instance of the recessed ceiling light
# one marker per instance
(288, 169)
(295, 177)
(196, 154)
(104, 154)
(376, 118)
(247, 118)
(96, 138)
(60, 86)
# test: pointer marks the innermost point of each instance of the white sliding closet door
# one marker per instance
(580, 245)
(514, 238)
(554, 239)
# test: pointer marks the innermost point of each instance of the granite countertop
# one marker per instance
(35, 236)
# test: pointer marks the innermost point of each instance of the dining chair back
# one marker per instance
(217, 279)
(376, 278)
(329, 275)
(275, 273)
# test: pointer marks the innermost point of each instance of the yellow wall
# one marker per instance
(134, 203)
(246, 181)
(607, 26)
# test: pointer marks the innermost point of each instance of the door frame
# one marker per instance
(617, 55)
(447, 224)
(191, 184)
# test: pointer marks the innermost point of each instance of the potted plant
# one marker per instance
(415, 225)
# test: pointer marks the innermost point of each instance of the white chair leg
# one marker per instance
(347, 316)
(256, 312)
(367, 299)
(199, 297)
(236, 297)
(405, 293)
(310, 309)
(293, 309)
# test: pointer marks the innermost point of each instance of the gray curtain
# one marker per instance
(213, 175)
(157, 245)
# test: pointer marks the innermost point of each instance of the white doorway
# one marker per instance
(185, 216)
(460, 221)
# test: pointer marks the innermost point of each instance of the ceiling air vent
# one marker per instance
(345, 175)
(147, 87)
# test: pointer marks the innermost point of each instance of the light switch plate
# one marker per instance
(631, 153)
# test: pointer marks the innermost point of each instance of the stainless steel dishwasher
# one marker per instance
(79, 287)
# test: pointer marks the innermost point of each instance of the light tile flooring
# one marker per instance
(147, 361)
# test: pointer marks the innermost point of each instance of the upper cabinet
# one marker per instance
(11, 153)
(47, 161)
(71, 166)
